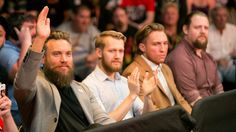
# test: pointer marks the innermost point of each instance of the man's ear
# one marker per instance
(43, 60)
(185, 29)
(142, 47)
(99, 52)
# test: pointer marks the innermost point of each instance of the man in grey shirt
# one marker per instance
(194, 70)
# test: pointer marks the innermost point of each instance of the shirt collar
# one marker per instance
(102, 76)
(151, 64)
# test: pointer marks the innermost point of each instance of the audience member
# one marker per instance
(194, 70)
(121, 24)
(7, 123)
(222, 43)
(114, 93)
(3, 36)
(200, 5)
(170, 17)
(60, 10)
(140, 12)
(51, 100)
(82, 34)
(153, 46)
(231, 6)
(14, 50)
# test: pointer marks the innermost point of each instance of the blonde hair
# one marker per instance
(99, 42)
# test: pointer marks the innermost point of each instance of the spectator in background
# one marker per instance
(194, 70)
(4, 29)
(170, 17)
(222, 43)
(231, 6)
(82, 34)
(121, 24)
(7, 123)
(60, 10)
(115, 94)
(200, 5)
(153, 46)
(14, 50)
(140, 12)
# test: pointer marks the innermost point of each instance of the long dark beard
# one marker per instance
(58, 79)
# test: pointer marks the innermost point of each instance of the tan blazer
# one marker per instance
(159, 97)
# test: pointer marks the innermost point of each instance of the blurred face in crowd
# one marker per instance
(111, 55)
(170, 16)
(197, 31)
(58, 64)
(155, 47)
(120, 18)
(32, 27)
(220, 18)
(2, 36)
(82, 20)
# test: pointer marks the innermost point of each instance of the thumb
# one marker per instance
(17, 30)
(146, 75)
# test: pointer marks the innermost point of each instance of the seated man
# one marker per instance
(222, 43)
(51, 100)
(194, 70)
(152, 46)
(117, 96)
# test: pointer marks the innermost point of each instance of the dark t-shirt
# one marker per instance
(71, 116)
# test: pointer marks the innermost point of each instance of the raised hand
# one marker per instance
(43, 30)
(133, 82)
(148, 85)
(43, 23)
(24, 36)
(5, 107)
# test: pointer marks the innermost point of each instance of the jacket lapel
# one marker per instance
(144, 65)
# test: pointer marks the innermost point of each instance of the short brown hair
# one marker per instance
(56, 35)
(143, 33)
(99, 42)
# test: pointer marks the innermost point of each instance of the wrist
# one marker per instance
(133, 96)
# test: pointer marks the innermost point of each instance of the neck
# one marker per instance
(171, 30)
(198, 52)
(122, 28)
(110, 74)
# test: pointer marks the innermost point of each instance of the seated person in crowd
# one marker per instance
(222, 43)
(152, 46)
(114, 93)
(51, 100)
(82, 34)
(194, 70)
(7, 123)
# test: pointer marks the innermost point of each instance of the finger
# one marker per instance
(43, 14)
(17, 30)
(146, 75)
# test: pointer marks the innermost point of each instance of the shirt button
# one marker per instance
(55, 120)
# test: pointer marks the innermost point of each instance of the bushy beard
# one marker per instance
(200, 45)
(57, 78)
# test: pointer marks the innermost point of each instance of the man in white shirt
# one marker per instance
(222, 43)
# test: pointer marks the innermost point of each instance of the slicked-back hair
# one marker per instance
(142, 34)
(99, 41)
(57, 35)
(189, 17)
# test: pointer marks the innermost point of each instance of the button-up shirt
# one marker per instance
(111, 93)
